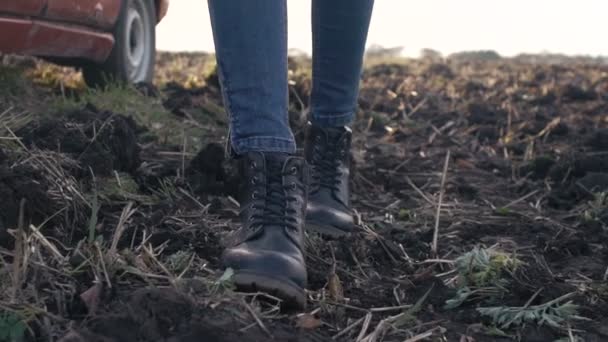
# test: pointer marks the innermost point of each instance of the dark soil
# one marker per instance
(17, 184)
(166, 315)
(101, 141)
(526, 176)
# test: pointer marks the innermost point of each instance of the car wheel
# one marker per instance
(133, 56)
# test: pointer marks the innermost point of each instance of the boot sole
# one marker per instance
(327, 231)
(293, 296)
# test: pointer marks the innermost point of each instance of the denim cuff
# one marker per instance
(333, 119)
(263, 144)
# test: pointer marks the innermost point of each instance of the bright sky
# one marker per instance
(507, 26)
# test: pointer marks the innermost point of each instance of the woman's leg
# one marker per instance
(251, 48)
(251, 45)
(339, 33)
(339, 29)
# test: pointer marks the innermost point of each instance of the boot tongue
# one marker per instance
(327, 156)
(274, 182)
(274, 164)
(334, 133)
(276, 158)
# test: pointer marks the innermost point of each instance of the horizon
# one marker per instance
(466, 25)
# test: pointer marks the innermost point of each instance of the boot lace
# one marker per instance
(272, 207)
(326, 159)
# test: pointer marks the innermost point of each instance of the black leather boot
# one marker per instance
(328, 154)
(266, 252)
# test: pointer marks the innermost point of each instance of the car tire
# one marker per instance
(133, 56)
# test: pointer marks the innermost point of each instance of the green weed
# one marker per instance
(177, 262)
(553, 313)
(121, 188)
(482, 273)
(404, 214)
(12, 82)
(502, 211)
(12, 328)
(225, 282)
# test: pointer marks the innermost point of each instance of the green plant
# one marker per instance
(12, 328)
(404, 214)
(226, 278)
(167, 189)
(502, 211)
(553, 313)
(177, 262)
(12, 82)
(120, 188)
(225, 282)
(482, 272)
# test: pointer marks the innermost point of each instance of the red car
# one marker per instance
(108, 39)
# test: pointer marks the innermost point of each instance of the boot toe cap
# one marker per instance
(325, 217)
(271, 264)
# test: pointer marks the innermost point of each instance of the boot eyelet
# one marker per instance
(253, 165)
(254, 181)
(293, 170)
(254, 195)
(293, 186)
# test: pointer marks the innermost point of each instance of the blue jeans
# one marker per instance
(251, 48)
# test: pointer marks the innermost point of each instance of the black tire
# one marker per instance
(133, 56)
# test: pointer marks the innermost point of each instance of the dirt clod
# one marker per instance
(480, 113)
(206, 172)
(573, 92)
(103, 141)
(17, 184)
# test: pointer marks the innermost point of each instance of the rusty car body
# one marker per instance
(70, 30)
